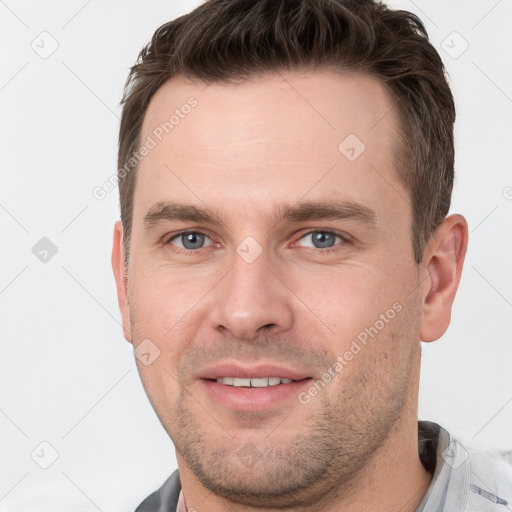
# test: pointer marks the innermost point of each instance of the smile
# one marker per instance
(259, 382)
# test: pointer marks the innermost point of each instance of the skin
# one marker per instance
(245, 149)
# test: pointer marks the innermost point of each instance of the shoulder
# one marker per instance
(464, 478)
(490, 481)
(165, 499)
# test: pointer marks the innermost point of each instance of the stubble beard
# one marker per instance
(335, 443)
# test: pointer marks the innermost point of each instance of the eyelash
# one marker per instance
(325, 250)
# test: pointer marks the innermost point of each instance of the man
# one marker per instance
(285, 173)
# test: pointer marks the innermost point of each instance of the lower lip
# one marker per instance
(253, 399)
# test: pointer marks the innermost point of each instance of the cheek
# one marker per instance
(162, 300)
(376, 362)
(162, 389)
(346, 300)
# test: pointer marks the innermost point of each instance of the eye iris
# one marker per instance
(322, 239)
(192, 240)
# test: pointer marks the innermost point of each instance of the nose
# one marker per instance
(251, 299)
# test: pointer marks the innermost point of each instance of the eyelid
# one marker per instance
(166, 240)
(345, 238)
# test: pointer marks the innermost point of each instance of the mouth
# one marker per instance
(258, 382)
(244, 388)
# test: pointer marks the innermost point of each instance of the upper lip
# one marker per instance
(242, 371)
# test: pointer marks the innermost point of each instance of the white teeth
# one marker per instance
(241, 382)
(259, 382)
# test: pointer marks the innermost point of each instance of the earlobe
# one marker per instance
(118, 266)
(441, 270)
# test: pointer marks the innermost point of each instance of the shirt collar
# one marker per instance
(449, 487)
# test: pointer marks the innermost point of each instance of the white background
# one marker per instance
(67, 376)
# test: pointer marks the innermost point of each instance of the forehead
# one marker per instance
(316, 133)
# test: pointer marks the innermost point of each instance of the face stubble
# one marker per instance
(346, 423)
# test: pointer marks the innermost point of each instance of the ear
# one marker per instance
(441, 269)
(118, 266)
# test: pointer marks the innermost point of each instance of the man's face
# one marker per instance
(254, 292)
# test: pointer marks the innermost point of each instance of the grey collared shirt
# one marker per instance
(463, 480)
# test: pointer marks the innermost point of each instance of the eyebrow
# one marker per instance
(167, 211)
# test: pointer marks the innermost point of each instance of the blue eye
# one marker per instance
(322, 239)
(190, 240)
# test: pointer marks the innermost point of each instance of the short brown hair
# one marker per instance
(224, 40)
